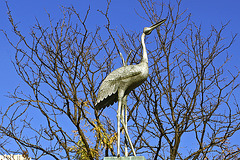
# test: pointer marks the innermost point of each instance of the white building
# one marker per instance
(13, 157)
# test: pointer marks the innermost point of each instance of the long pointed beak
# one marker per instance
(148, 30)
(157, 24)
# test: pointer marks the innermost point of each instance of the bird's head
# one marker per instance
(148, 30)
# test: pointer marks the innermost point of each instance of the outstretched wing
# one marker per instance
(107, 94)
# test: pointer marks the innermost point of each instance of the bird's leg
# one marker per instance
(128, 137)
(124, 114)
(126, 149)
(118, 125)
(124, 125)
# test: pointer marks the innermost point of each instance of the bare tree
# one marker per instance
(61, 66)
(189, 93)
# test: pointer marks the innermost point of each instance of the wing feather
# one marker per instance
(107, 94)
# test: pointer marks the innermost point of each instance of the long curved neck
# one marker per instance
(144, 57)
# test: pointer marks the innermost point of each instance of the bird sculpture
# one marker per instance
(119, 83)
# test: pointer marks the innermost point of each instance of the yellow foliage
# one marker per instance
(106, 140)
(81, 152)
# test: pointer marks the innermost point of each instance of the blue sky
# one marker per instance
(204, 12)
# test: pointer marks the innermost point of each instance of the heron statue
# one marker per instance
(119, 83)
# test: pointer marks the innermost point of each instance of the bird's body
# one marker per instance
(119, 83)
(125, 78)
